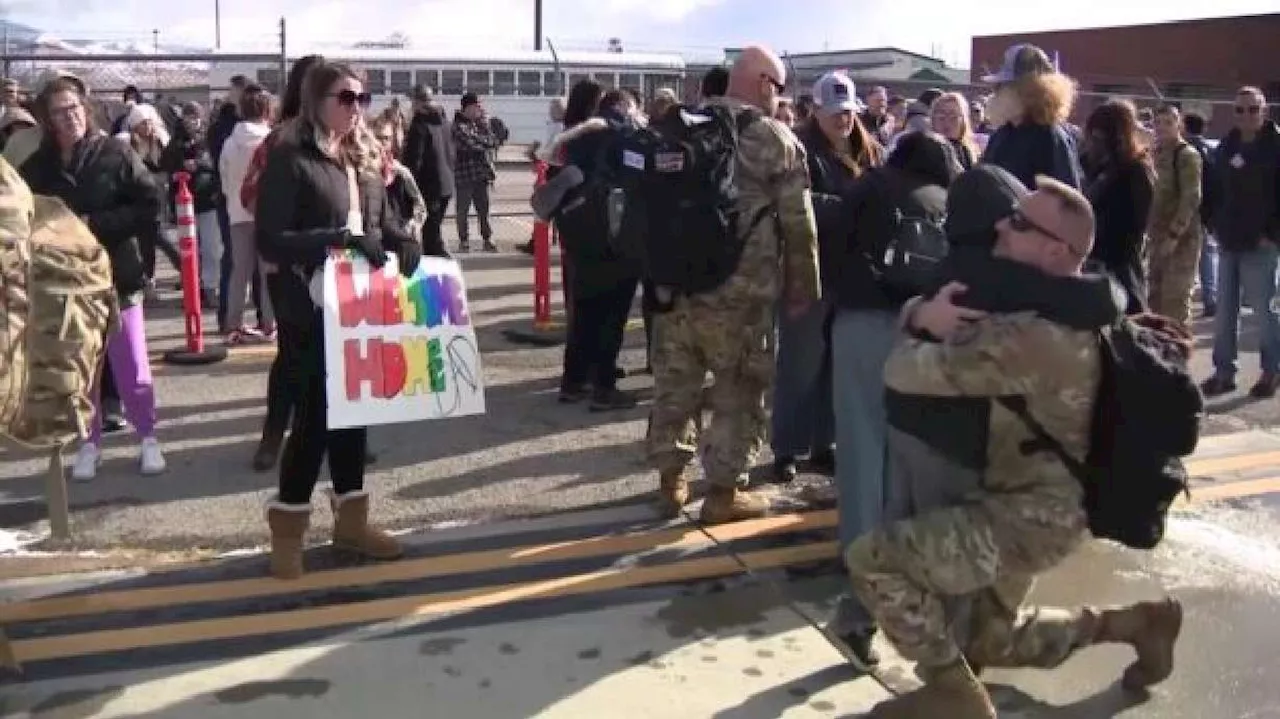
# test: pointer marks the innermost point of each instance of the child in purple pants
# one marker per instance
(131, 369)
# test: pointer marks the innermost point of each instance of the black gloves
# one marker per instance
(370, 247)
(410, 255)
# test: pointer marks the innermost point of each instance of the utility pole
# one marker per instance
(217, 24)
(155, 45)
(284, 61)
(537, 25)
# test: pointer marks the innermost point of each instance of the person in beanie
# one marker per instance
(429, 157)
(473, 173)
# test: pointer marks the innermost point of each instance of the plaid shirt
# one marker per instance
(475, 144)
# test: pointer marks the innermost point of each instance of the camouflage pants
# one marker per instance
(1172, 274)
(907, 573)
(735, 344)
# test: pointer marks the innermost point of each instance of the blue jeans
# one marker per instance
(1209, 271)
(860, 344)
(803, 421)
(1252, 276)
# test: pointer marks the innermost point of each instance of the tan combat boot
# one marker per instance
(1152, 629)
(949, 692)
(673, 492)
(351, 530)
(730, 504)
(288, 523)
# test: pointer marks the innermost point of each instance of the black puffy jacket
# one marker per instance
(107, 183)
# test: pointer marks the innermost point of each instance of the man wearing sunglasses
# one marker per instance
(1247, 225)
(1026, 516)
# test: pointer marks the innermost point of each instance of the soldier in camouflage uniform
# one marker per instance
(1174, 235)
(729, 331)
(1026, 515)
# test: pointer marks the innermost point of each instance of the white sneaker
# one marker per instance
(87, 461)
(152, 459)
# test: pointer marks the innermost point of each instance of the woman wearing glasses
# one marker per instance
(322, 189)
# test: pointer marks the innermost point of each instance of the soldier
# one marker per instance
(1026, 516)
(1173, 233)
(729, 330)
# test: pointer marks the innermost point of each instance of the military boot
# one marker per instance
(951, 691)
(730, 504)
(673, 492)
(288, 523)
(351, 530)
(1152, 629)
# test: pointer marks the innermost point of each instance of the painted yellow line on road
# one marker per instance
(1211, 466)
(1230, 490)
(407, 570)
(251, 625)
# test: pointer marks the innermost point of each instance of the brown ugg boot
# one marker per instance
(673, 493)
(951, 691)
(288, 523)
(1152, 629)
(351, 530)
(730, 504)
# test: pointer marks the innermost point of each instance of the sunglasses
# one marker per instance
(1021, 223)
(347, 98)
(780, 87)
(1250, 109)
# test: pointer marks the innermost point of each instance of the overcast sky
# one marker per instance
(926, 26)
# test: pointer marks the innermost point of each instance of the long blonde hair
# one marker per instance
(1045, 99)
(356, 148)
(966, 127)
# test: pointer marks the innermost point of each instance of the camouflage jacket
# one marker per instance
(1175, 205)
(772, 172)
(952, 389)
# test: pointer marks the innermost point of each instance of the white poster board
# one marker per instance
(396, 349)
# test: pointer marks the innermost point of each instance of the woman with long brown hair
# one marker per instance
(322, 189)
(1119, 182)
(839, 150)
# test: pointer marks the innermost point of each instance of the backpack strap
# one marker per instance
(1017, 404)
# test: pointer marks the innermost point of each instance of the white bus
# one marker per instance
(516, 86)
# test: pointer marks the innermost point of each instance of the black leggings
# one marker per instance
(595, 336)
(281, 390)
(311, 439)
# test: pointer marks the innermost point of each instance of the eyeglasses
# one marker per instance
(1021, 223)
(347, 98)
(780, 87)
(1250, 109)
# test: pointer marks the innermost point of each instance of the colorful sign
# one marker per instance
(396, 349)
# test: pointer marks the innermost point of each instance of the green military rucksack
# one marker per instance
(57, 306)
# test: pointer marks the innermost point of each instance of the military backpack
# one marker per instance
(57, 306)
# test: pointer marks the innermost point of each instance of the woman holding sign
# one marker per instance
(321, 190)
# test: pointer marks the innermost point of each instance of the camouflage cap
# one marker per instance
(1020, 61)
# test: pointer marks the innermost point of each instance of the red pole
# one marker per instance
(541, 262)
(190, 254)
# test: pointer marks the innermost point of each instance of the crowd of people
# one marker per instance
(813, 343)
(1057, 232)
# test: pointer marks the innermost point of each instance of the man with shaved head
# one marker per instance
(729, 330)
(952, 389)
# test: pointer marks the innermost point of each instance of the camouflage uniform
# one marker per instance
(729, 331)
(1026, 519)
(1174, 233)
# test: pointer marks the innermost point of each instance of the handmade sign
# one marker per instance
(396, 349)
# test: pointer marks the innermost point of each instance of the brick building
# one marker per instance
(1196, 63)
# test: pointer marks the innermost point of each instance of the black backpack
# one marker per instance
(1208, 173)
(905, 262)
(1146, 419)
(672, 204)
